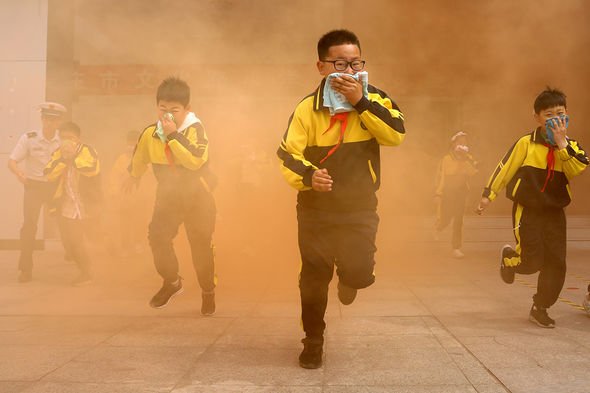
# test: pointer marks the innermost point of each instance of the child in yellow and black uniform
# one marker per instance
(536, 173)
(178, 150)
(334, 163)
(76, 168)
(452, 188)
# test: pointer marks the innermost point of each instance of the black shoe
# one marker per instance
(507, 272)
(311, 356)
(82, 280)
(208, 304)
(166, 293)
(346, 294)
(539, 316)
(25, 276)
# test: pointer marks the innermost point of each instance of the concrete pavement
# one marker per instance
(430, 324)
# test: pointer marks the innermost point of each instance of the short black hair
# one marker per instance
(550, 98)
(334, 38)
(70, 127)
(175, 90)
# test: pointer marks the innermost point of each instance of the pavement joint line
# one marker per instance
(442, 325)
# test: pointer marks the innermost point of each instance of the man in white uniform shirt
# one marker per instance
(34, 150)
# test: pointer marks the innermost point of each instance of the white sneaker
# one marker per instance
(458, 254)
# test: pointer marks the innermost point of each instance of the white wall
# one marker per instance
(23, 48)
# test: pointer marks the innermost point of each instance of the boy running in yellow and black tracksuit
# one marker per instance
(76, 169)
(178, 150)
(536, 173)
(452, 189)
(334, 163)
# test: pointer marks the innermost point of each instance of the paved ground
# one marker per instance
(431, 324)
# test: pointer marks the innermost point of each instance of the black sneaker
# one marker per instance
(311, 356)
(82, 280)
(166, 293)
(346, 294)
(25, 276)
(507, 272)
(208, 304)
(539, 316)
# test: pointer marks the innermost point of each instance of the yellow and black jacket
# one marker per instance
(528, 178)
(355, 164)
(454, 171)
(187, 160)
(87, 167)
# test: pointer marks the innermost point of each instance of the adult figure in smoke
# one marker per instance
(330, 154)
(34, 149)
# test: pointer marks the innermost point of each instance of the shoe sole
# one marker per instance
(347, 301)
(533, 320)
(310, 366)
(82, 284)
(510, 280)
(170, 298)
(207, 314)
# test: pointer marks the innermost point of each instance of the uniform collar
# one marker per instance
(55, 137)
(318, 99)
(537, 136)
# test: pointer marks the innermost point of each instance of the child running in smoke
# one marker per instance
(76, 168)
(333, 160)
(177, 148)
(536, 173)
(452, 188)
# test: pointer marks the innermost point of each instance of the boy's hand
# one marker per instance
(321, 181)
(483, 203)
(559, 132)
(130, 184)
(349, 88)
(168, 125)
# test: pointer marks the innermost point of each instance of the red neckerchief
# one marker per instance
(169, 157)
(343, 118)
(550, 164)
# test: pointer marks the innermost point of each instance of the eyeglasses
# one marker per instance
(342, 65)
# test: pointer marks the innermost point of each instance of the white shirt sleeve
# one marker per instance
(21, 149)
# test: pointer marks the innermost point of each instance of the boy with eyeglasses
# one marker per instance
(536, 172)
(334, 163)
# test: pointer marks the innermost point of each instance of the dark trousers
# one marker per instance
(36, 194)
(194, 207)
(541, 242)
(327, 239)
(452, 207)
(72, 237)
